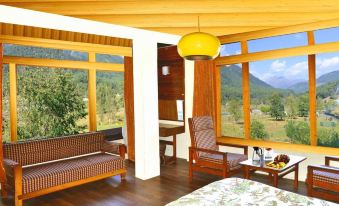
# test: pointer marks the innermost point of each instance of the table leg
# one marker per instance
(296, 176)
(174, 147)
(275, 179)
(246, 172)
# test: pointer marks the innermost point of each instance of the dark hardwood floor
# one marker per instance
(172, 184)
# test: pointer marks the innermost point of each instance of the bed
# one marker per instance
(238, 192)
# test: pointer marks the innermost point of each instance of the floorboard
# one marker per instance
(172, 184)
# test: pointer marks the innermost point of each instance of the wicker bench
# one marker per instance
(38, 167)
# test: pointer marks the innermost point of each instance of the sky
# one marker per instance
(284, 72)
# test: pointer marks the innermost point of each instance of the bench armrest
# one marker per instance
(234, 145)
(115, 148)
(195, 149)
(330, 158)
(311, 168)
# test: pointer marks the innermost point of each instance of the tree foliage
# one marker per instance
(258, 130)
(298, 132)
(303, 106)
(235, 109)
(277, 109)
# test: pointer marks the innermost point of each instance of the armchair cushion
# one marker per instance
(57, 173)
(327, 177)
(233, 159)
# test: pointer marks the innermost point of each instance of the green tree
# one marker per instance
(291, 107)
(303, 106)
(265, 109)
(234, 108)
(50, 103)
(277, 110)
(258, 130)
(328, 138)
(298, 132)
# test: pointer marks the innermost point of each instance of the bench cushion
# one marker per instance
(57, 173)
(327, 177)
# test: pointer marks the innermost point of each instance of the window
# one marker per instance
(279, 100)
(278, 42)
(106, 58)
(231, 101)
(110, 100)
(326, 35)
(51, 102)
(5, 104)
(230, 49)
(327, 71)
(38, 52)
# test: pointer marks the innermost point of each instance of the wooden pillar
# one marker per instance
(129, 106)
(246, 93)
(2, 170)
(92, 96)
(13, 102)
(312, 91)
(217, 86)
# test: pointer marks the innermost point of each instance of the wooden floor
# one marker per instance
(172, 184)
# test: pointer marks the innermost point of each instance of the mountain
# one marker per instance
(322, 80)
(282, 82)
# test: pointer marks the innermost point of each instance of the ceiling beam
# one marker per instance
(213, 20)
(175, 6)
(218, 31)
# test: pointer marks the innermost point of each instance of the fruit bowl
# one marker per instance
(279, 162)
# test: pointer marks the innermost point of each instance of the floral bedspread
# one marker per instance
(238, 192)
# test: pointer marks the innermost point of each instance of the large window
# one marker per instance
(279, 100)
(110, 100)
(232, 120)
(51, 102)
(327, 71)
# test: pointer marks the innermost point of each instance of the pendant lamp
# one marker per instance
(199, 46)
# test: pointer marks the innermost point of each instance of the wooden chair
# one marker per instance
(204, 155)
(325, 177)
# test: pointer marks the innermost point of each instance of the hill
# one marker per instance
(231, 81)
(322, 80)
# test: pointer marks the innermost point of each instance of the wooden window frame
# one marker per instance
(310, 50)
(92, 66)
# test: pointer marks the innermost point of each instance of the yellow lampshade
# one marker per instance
(199, 46)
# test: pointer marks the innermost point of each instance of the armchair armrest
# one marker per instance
(330, 158)
(10, 166)
(223, 154)
(234, 145)
(115, 148)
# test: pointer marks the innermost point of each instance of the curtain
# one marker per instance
(129, 106)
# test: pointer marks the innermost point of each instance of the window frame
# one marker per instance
(310, 50)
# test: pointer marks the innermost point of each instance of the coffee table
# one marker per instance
(292, 166)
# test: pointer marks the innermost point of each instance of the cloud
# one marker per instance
(278, 66)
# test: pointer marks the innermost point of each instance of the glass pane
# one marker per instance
(110, 100)
(279, 100)
(278, 42)
(39, 52)
(51, 102)
(5, 104)
(232, 122)
(230, 49)
(106, 58)
(327, 71)
(326, 35)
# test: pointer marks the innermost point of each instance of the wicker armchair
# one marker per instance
(204, 155)
(324, 177)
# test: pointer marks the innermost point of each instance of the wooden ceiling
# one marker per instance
(35, 32)
(219, 17)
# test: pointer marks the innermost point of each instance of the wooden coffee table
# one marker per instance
(292, 166)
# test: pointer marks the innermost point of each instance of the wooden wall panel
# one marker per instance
(168, 109)
(204, 89)
(129, 107)
(171, 86)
